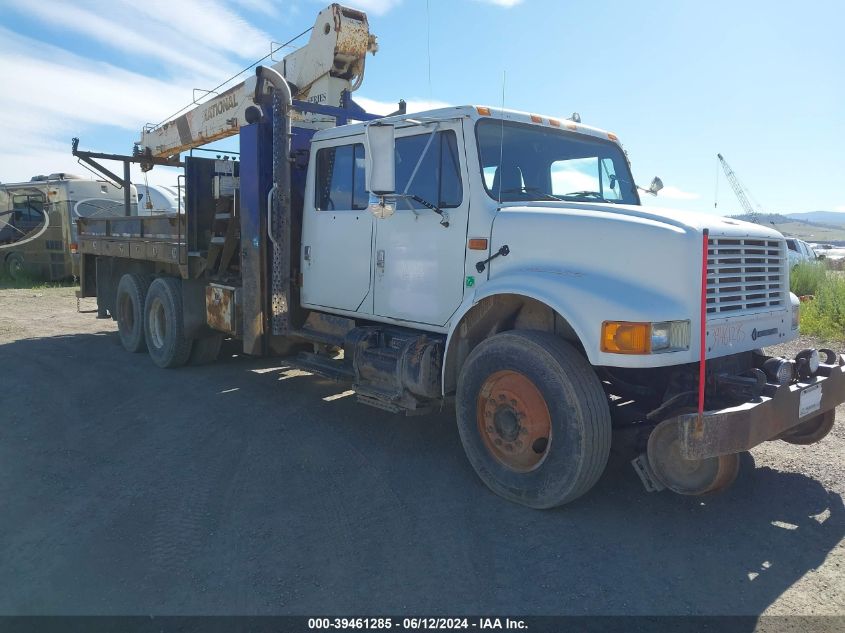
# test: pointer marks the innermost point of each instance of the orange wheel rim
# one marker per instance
(514, 421)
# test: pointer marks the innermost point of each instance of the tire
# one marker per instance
(513, 387)
(129, 311)
(813, 430)
(206, 350)
(164, 329)
(15, 266)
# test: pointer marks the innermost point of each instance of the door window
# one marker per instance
(340, 178)
(437, 180)
(28, 208)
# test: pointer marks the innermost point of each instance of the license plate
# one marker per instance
(811, 400)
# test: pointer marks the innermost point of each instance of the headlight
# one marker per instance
(779, 370)
(807, 362)
(625, 337)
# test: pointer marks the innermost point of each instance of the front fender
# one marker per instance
(585, 300)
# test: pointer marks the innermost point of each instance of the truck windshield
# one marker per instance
(528, 162)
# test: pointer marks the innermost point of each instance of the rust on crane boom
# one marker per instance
(333, 61)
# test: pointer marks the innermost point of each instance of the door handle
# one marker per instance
(307, 255)
(380, 259)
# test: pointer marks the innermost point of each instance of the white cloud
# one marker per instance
(264, 7)
(199, 43)
(75, 95)
(189, 43)
(841, 208)
(385, 107)
(675, 193)
(502, 3)
(204, 38)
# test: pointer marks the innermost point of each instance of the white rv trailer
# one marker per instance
(57, 199)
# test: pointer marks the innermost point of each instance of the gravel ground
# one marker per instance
(245, 487)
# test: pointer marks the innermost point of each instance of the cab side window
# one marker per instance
(438, 179)
(340, 178)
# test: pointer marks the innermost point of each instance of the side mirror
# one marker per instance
(655, 186)
(380, 176)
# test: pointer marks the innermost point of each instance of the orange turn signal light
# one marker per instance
(478, 244)
(624, 337)
(483, 111)
(74, 249)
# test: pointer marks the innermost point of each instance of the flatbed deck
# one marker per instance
(160, 238)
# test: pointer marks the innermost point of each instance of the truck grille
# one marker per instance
(746, 275)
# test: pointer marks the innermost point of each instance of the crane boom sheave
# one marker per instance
(738, 189)
(330, 63)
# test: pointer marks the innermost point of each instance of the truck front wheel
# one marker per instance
(15, 266)
(129, 311)
(533, 418)
(164, 329)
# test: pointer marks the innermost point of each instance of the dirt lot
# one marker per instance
(244, 487)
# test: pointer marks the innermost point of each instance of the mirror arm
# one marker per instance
(444, 219)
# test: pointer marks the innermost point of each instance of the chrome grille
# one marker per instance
(746, 275)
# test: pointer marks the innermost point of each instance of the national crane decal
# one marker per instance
(226, 103)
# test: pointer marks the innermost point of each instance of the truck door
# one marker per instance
(337, 232)
(419, 262)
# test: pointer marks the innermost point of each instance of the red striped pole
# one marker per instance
(703, 324)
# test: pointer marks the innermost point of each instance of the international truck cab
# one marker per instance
(493, 260)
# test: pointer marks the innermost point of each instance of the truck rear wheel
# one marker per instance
(206, 350)
(164, 329)
(533, 418)
(811, 431)
(129, 311)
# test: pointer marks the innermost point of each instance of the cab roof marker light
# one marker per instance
(483, 110)
(554, 122)
(536, 118)
(612, 137)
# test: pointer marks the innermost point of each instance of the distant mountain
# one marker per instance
(766, 218)
(824, 217)
(802, 226)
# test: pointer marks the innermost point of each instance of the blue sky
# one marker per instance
(761, 82)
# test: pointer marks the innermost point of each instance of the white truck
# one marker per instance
(497, 260)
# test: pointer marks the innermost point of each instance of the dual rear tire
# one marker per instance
(149, 317)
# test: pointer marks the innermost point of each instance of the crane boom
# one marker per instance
(738, 189)
(330, 63)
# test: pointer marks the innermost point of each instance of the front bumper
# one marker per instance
(740, 428)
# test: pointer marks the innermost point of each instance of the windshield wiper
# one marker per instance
(589, 194)
(585, 194)
(548, 196)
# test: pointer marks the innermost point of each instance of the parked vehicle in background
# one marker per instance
(799, 251)
(155, 199)
(59, 199)
(18, 223)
